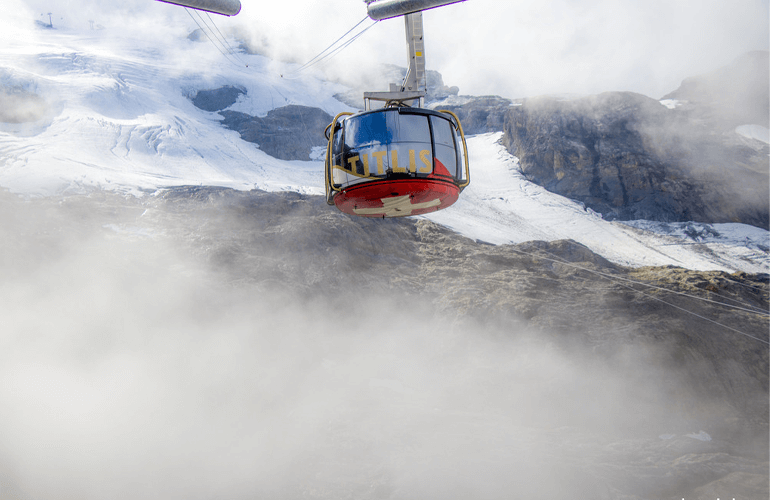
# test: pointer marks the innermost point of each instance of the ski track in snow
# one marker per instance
(119, 118)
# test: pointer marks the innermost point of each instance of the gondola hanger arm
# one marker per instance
(386, 9)
(223, 7)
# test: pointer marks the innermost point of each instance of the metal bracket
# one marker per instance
(414, 87)
(394, 98)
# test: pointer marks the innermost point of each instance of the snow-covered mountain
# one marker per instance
(184, 317)
(118, 115)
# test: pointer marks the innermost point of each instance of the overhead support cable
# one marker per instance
(334, 48)
(345, 45)
(229, 57)
(221, 36)
(626, 283)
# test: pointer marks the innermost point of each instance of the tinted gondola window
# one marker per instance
(461, 174)
(383, 143)
(410, 153)
(337, 147)
(411, 128)
(444, 140)
(368, 129)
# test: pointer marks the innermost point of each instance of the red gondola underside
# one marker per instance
(397, 197)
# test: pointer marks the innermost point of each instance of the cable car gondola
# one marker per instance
(400, 159)
(395, 161)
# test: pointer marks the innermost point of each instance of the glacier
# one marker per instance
(119, 117)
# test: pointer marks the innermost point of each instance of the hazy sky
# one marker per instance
(513, 49)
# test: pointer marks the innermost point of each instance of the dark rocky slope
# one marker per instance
(607, 364)
(217, 99)
(628, 157)
(287, 133)
(481, 114)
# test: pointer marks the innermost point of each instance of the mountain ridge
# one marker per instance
(629, 156)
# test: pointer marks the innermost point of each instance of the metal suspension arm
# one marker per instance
(224, 7)
(385, 9)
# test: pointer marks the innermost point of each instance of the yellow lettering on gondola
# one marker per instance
(380, 164)
(394, 162)
(424, 166)
(352, 161)
(425, 157)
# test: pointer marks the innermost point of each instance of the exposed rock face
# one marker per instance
(544, 359)
(481, 114)
(217, 99)
(287, 133)
(629, 157)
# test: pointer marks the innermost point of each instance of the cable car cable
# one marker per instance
(340, 49)
(695, 314)
(221, 37)
(222, 42)
(332, 45)
(205, 32)
(618, 280)
(334, 52)
(232, 50)
(331, 50)
(742, 307)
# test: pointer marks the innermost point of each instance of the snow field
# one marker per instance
(120, 118)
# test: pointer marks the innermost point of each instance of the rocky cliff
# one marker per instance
(479, 115)
(287, 133)
(629, 157)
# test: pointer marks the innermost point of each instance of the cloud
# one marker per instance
(589, 47)
(133, 368)
(514, 49)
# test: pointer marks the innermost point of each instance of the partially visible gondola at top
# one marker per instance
(224, 7)
(399, 159)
